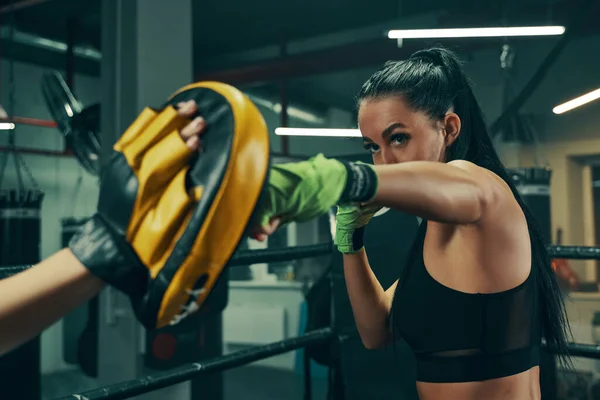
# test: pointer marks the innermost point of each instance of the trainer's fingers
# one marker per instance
(194, 128)
(261, 233)
(189, 134)
(272, 226)
(260, 237)
(187, 108)
(193, 143)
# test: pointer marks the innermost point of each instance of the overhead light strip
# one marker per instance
(577, 102)
(6, 126)
(323, 132)
(476, 32)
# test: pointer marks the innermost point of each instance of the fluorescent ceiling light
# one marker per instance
(577, 102)
(6, 126)
(476, 32)
(318, 132)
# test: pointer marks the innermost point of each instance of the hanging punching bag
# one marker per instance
(20, 244)
(20, 226)
(533, 185)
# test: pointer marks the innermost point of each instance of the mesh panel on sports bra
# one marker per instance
(506, 323)
(457, 353)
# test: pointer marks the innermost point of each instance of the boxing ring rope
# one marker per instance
(286, 254)
(582, 350)
(240, 258)
(128, 389)
(248, 257)
(134, 387)
(574, 252)
(149, 383)
(6, 272)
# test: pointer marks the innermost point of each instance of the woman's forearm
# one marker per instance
(36, 298)
(369, 302)
(452, 193)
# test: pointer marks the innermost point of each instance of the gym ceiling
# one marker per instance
(240, 41)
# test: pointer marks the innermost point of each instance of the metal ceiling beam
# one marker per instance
(310, 63)
(20, 5)
(358, 55)
(376, 51)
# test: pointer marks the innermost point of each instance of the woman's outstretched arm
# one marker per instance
(457, 192)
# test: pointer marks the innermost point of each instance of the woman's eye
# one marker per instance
(371, 147)
(399, 138)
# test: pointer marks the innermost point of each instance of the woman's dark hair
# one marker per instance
(433, 81)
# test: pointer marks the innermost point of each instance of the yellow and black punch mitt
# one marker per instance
(169, 218)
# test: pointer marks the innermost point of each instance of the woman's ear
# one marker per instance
(451, 125)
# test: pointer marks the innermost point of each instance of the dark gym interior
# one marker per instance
(96, 64)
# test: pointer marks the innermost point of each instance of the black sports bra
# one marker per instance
(461, 337)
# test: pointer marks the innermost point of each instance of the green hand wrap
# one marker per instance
(350, 222)
(300, 191)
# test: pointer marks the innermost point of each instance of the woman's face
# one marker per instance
(395, 133)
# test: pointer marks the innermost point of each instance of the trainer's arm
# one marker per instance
(370, 303)
(34, 299)
(456, 192)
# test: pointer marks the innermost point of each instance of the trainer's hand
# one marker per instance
(261, 233)
(192, 131)
(105, 245)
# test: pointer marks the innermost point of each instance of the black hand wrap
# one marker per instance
(361, 183)
(358, 239)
